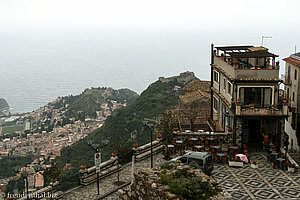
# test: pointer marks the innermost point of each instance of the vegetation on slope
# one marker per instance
(88, 102)
(124, 123)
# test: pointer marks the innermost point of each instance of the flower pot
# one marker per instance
(229, 129)
(159, 136)
(83, 166)
(135, 145)
(113, 154)
(235, 164)
(238, 101)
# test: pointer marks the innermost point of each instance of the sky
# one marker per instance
(36, 34)
(163, 14)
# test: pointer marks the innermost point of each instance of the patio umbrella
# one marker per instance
(242, 157)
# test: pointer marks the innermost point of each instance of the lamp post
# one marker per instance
(25, 178)
(97, 148)
(151, 127)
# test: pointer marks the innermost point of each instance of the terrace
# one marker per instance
(255, 110)
(247, 62)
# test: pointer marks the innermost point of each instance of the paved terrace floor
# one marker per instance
(262, 183)
(242, 183)
(106, 184)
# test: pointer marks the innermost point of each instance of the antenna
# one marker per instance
(295, 49)
(262, 39)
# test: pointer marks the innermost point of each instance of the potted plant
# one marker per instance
(83, 166)
(159, 136)
(254, 164)
(135, 145)
(238, 101)
(113, 154)
(236, 162)
(229, 129)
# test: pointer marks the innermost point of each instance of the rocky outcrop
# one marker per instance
(162, 184)
(184, 77)
(3, 105)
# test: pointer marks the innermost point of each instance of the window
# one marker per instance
(293, 98)
(183, 159)
(260, 96)
(224, 84)
(216, 104)
(216, 76)
(295, 75)
(229, 88)
(197, 161)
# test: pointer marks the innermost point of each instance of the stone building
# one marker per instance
(292, 94)
(245, 95)
(194, 106)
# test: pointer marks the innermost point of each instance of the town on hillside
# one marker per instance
(43, 133)
(247, 116)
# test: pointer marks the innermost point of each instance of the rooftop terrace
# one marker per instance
(246, 62)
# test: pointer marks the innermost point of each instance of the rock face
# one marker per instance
(3, 105)
(166, 184)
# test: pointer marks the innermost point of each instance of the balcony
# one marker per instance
(245, 71)
(286, 79)
(252, 110)
(246, 63)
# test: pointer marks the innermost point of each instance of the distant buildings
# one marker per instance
(292, 94)
(245, 99)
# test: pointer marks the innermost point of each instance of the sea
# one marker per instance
(39, 65)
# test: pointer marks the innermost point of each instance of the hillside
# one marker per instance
(123, 123)
(95, 99)
(3, 105)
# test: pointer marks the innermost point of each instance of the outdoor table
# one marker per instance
(217, 148)
(274, 156)
(178, 144)
(199, 147)
(201, 131)
(170, 146)
(281, 163)
(211, 139)
(221, 155)
(194, 139)
(234, 149)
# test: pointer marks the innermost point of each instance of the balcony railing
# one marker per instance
(245, 64)
(286, 79)
(254, 73)
(252, 110)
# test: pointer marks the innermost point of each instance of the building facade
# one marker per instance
(245, 95)
(292, 94)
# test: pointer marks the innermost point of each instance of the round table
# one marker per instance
(221, 156)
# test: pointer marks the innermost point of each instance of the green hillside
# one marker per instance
(158, 97)
(89, 101)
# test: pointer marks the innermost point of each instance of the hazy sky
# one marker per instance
(151, 13)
